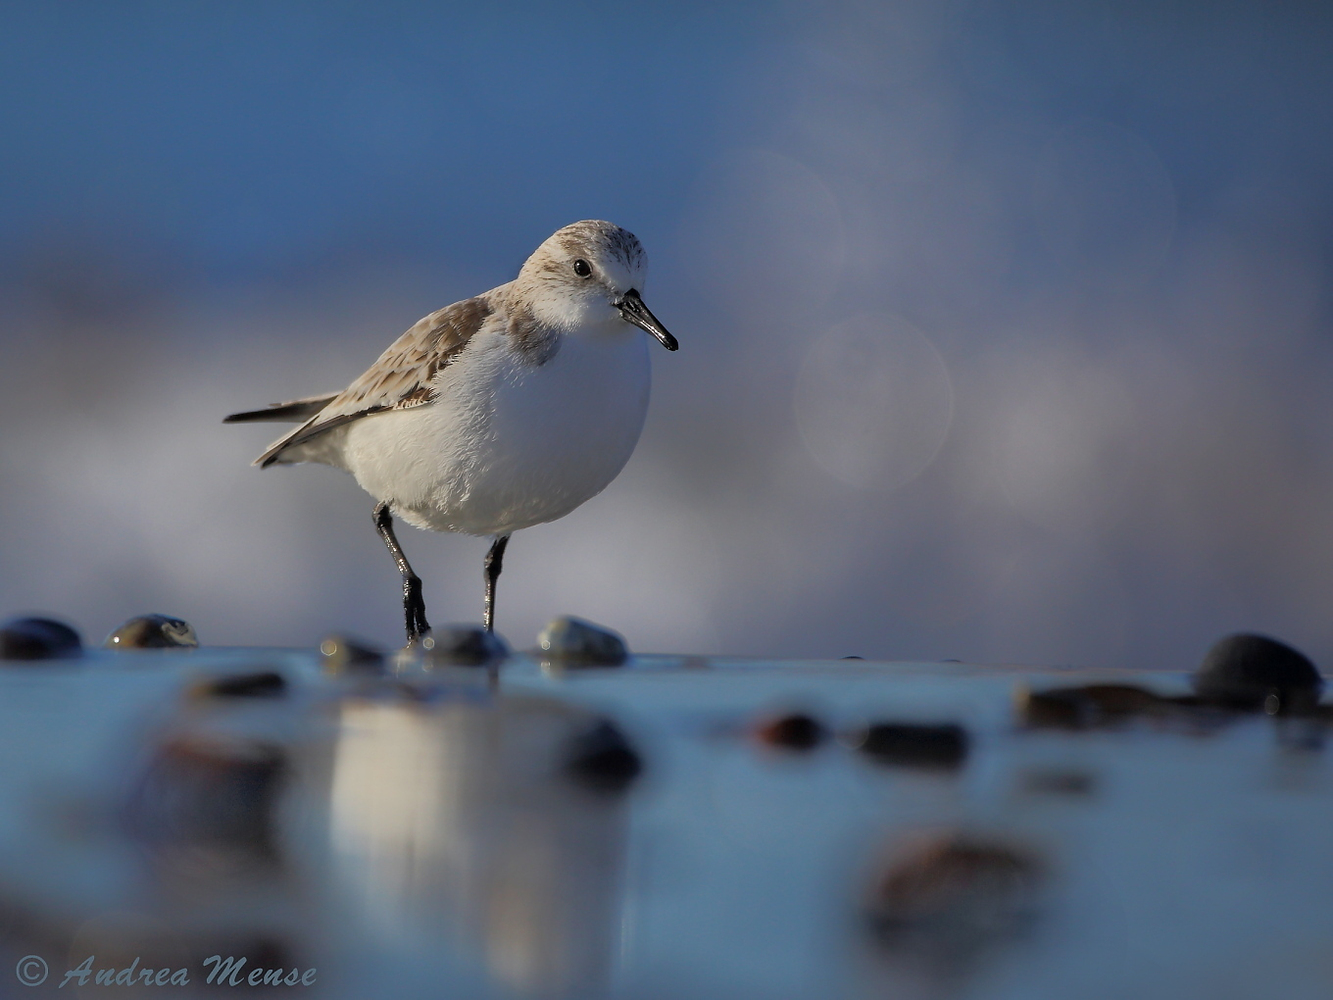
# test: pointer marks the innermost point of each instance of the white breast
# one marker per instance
(507, 443)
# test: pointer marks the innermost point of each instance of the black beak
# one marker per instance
(634, 311)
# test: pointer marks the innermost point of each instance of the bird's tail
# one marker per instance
(292, 412)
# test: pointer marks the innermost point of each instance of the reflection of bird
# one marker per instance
(497, 412)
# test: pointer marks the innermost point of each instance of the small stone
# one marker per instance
(463, 646)
(342, 654)
(263, 684)
(796, 731)
(38, 639)
(211, 795)
(1087, 707)
(913, 745)
(949, 897)
(575, 642)
(602, 759)
(1256, 672)
(1057, 781)
(153, 632)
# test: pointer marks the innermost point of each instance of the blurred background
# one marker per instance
(1005, 327)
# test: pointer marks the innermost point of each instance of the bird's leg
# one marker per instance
(494, 560)
(414, 608)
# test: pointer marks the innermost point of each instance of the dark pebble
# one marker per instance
(792, 732)
(602, 759)
(342, 654)
(153, 632)
(205, 794)
(1058, 782)
(1087, 707)
(463, 646)
(575, 642)
(951, 896)
(911, 745)
(1256, 672)
(265, 684)
(38, 639)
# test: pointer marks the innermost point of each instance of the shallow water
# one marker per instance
(473, 832)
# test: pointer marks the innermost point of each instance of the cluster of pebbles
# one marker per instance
(1241, 672)
(565, 641)
(946, 896)
(598, 755)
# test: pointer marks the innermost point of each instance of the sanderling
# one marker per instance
(498, 412)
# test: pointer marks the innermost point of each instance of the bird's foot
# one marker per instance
(420, 640)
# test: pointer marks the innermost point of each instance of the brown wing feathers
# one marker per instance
(399, 379)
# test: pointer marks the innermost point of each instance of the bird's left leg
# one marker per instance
(414, 607)
(494, 560)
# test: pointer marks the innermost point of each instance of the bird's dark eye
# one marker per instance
(582, 268)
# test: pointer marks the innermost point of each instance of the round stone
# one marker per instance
(1253, 671)
(216, 797)
(153, 632)
(904, 744)
(462, 646)
(576, 642)
(341, 654)
(259, 684)
(602, 759)
(38, 639)
(796, 731)
(950, 896)
(1088, 706)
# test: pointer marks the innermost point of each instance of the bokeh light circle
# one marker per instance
(873, 401)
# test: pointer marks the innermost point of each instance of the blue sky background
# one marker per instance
(1074, 257)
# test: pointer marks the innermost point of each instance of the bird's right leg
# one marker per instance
(494, 560)
(414, 608)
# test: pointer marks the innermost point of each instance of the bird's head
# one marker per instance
(589, 273)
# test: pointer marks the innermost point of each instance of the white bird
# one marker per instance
(498, 412)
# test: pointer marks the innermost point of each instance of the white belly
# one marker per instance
(508, 444)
